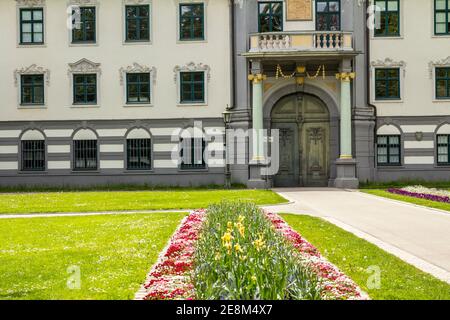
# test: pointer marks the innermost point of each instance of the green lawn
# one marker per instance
(113, 253)
(353, 256)
(128, 200)
(422, 202)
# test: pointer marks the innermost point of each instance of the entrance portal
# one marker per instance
(304, 124)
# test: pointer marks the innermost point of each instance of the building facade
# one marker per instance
(409, 65)
(307, 68)
(196, 92)
(101, 91)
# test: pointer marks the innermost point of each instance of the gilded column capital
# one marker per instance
(346, 76)
(257, 78)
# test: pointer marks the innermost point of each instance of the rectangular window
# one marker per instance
(388, 150)
(441, 17)
(328, 15)
(85, 30)
(33, 155)
(85, 155)
(192, 153)
(84, 89)
(387, 84)
(137, 23)
(389, 24)
(32, 89)
(192, 85)
(270, 15)
(442, 83)
(138, 87)
(139, 154)
(32, 26)
(192, 21)
(443, 149)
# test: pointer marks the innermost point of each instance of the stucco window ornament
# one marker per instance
(192, 67)
(83, 2)
(136, 2)
(33, 69)
(136, 68)
(177, 2)
(389, 63)
(30, 3)
(84, 66)
(443, 63)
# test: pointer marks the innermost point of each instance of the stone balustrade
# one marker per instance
(301, 41)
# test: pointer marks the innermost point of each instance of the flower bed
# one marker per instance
(170, 277)
(182, 269)
(423, 193)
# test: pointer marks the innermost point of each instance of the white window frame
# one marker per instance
(84, 66)
(432, 65)
(192, 67)
(124, 21)
(31, 70)
(383, 64)
(205, 20)
(31, 4)
(82, 4)
(137, 68)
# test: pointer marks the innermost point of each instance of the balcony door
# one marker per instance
(270, 16)
(304, 130)
(328, 15)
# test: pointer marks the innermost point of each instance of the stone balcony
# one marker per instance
(301, 42)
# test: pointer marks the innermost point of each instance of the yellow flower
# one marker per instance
(243, 258)
(228, 246)
(259, 243)
(237, 247)
(254, 278)
(241, 218)
(227, 237)
(240, 227)
(217, 257)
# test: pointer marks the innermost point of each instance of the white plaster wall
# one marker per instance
(164, 53)
(417, 46)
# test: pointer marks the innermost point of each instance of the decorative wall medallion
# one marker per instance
(192, 67)
(419, 135)
(33, 69)
(438, 64)
(84, 66)
(136, 68)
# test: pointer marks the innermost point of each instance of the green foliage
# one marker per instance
(127, 200)
(353, 256)
(240, 256)
(113, 253)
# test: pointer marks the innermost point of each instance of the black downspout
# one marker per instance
(233, 54)
(368, 77)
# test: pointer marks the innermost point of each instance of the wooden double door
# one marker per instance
(304, 138)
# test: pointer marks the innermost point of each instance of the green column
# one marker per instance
(257, 117)
(346, 115)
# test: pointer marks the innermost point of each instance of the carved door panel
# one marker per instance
(288, 171)
(315, 154)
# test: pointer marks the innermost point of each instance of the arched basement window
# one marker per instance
(32, 151)
(388, 146)
(139, 150)
(85, 154)
(192, 149)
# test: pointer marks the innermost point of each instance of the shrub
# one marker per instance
(239, 255)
